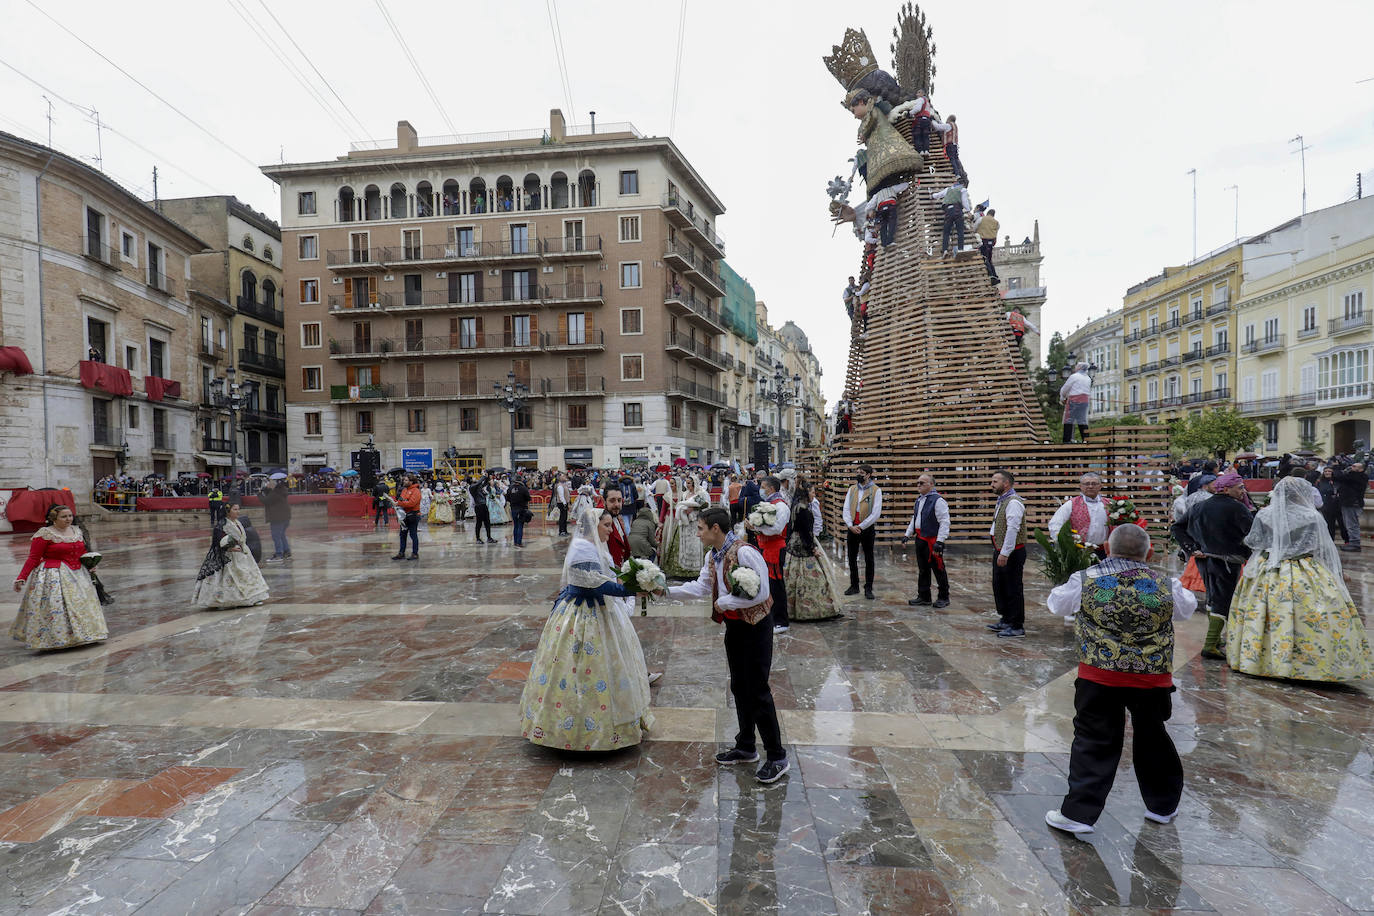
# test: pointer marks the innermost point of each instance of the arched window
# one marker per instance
(372, 202)
(586, 188)
(399, 204)
(248, 244)
(533, 198)
(477, 196)
(424, 199)
(347, 204)
(558, 191)
(269, 294)
(453, 198)
(505, 195)
(248, 287)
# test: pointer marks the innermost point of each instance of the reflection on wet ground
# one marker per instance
(351, 747)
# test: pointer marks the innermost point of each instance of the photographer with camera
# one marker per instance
(1351, 483)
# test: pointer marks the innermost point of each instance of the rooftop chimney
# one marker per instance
(406, 138)
(593, 122)
(557, 127)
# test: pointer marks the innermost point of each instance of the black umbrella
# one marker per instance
(496, 470)
(394, 471)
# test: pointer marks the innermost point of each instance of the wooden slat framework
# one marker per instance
(937, 385)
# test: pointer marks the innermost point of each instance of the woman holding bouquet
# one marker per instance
(812, 592)
(588, 688)
(58, 605)
(683, 556)
(1292, 616)
(228, 576)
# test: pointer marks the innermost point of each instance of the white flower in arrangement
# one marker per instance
(744, 582)
(763, 515)
(228, 542)
(642, 577)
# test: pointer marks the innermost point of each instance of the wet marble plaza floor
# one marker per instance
(352, 747)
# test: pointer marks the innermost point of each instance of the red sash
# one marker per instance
(936, 560)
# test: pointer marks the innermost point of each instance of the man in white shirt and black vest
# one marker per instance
(748, 641)
(1008, 534)
(863, 506)
(930, 526)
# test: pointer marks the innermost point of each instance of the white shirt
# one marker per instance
(941, 516)
(1097, 520)
(816, 522)
(561, 493)
(779, 520)
(1078, 383)
(1016, 514)
(872, 516)
(701, 586)
(1066, 600)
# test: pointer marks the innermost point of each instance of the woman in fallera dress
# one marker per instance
(683, 553)
(496, 502)
(441, 509)
(812, 592)
(588, 688)
(58, 605)
(1292, 616)
(228, 576)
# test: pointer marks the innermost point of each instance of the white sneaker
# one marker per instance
(780, 628)
(1160, 818)
(1060, 822)
(654, 676)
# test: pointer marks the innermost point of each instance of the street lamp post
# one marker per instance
(228, 393)
(511, 395)
(781, 394)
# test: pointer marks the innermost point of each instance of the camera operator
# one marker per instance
(1351, 483)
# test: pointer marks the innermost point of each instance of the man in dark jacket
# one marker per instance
(274, 500)
(381, 503)
(480, 512)
(1219, 526)
(750, 494)
(1351, 485)
(518, 499)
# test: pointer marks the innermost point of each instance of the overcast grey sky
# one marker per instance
(1086, 116)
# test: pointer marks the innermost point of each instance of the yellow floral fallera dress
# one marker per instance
(1295, 621)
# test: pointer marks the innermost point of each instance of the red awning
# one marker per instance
(32, 505)
(158, 388)
(106, 377)
(12, 359)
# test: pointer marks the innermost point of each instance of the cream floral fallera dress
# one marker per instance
(229, 578)
(58, 606)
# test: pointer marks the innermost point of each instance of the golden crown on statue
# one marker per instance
(853, 60)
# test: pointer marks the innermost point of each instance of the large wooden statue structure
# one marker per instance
(936, 382)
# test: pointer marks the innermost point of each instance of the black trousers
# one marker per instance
(1220, 578)
(1068, 432)
(954, 219)
(381, 517)
(922, 134)
(952, 151)
(777, 588)
(411, 527)
(852, 543)
(1099, 728)
(749, 655)
(562, 518)
(483, 517)
(985, 248)
(736, 512)
(925, 564)
(1008, 593)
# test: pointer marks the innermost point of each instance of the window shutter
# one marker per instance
(507, 285)
(453, 336)
(477, 287)
(348, 290)
(587, 323)
(534, 327)
(480, 336)
(508, 332)
(562, 327)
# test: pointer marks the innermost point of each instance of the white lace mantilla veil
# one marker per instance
(588, 563)
(1290, 526)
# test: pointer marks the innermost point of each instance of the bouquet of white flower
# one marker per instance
(697, 501)
(643, 577)
(744, 582)
(90, 559)
(229, 542)
(763, 515)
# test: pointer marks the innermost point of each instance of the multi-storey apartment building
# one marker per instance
(93, 293)
(807, 420)
(1304, 328)
(577, 267)
(237, 288)
(739, 312)
(1019, 268)
(1177, 331)
(1098, 343)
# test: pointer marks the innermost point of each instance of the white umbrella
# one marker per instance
(278, 476)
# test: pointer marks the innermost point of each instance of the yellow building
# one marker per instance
(1304, 329)
(1178, 329)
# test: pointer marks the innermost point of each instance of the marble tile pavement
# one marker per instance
(352, 747)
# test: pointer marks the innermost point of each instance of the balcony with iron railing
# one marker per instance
(694, 265)
(436, 300)
(357, 258)
(1219, 307)
(210, 350)
(1195, 315)
(685, 301)
(1273, 343)
(263, 418)
(697, 351)
(574, 386)
(1306, 333)
(574, 339)
(586, 293)
(1348, 323)
(161, 283)
(212, 444)
(261, 310)
(164, 441)
(93, 248)
(264, 363)
(107, 436)
(364, 302)
(1277, 405)
(376, 391)
(681, 215)
(695, 390)
(1220, 349)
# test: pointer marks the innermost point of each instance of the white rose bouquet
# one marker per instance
(744, 582)
(228, 542)
(91, 559)
(696, 502)
(763, 515)
(642, 577)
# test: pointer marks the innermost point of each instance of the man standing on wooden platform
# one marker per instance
(1076, 395)
(1008, 535)
(930, 525)
(954, 200)
(863, 506)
